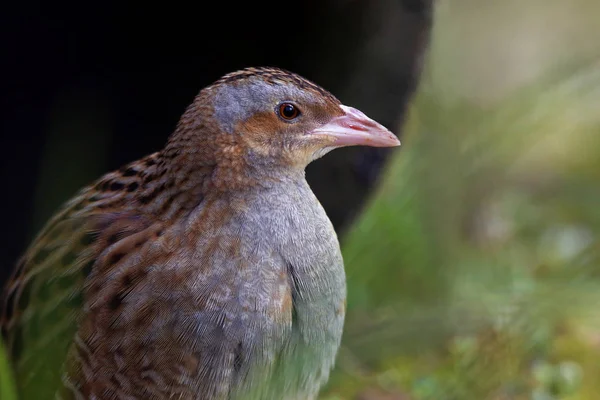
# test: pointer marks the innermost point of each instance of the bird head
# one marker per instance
(270, 119)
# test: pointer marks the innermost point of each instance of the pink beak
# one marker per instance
(354, 128)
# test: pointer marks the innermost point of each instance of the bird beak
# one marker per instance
(354, 128)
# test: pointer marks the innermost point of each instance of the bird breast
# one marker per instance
(272, 265)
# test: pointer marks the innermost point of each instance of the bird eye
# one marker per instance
(288, 111)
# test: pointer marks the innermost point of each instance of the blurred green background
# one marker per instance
(474, 272)
(474, 269)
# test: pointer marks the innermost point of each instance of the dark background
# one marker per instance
(102, 84)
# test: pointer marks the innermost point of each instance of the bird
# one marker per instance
(207, 270)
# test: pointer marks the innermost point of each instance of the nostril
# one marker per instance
(357, 127)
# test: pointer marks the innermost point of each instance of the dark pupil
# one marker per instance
(288, 111)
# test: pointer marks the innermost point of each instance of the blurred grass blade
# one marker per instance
(7, 387)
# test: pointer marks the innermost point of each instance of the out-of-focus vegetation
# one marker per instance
(7, 389)
(474, 272)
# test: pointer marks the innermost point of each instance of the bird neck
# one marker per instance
(222, 165)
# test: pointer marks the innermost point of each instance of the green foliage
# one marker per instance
(7, 388)
(474, 273)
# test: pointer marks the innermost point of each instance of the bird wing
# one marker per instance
(44, 298)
